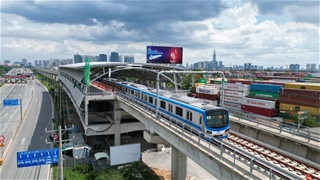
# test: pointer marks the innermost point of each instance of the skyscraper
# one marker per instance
(128, 59)
(103, 58)
(77, 58)
(114, 57)
(24, 62)
(214, 56)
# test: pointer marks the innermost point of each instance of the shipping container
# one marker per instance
(232, 105)
(208, 96)
(232, 99)
(264, 94)
(300, 93)
(208, 89)
(281, 77)
(237, 87)
(198, 84)
(300, 101)
(242, 81)
(235, 93)
(292, 107)
(308, 86)
(257, 117)
(267, 104)
(258, 110)
(271, 82)
(265, 88)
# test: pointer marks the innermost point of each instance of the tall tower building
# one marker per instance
(114, 57)
(102, 58)
(24, 62)
(77, 58)
(214, 56)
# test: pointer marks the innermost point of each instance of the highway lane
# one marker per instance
(10, 115)
(31, 136)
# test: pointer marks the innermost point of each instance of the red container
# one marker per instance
(257, 110)
(208, 96)
(300, 93)
(242, 81)
(271, 82)
(300, 101)
(280, 77)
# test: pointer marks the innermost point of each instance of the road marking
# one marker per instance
(6, 115)
(23, 141)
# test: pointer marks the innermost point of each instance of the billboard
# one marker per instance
(124, 154)
(163, 54)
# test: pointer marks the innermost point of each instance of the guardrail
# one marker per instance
(210, 145)
(292, 128)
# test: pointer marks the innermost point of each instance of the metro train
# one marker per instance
(200, 117)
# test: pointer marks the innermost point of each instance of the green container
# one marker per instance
(202, 80)
(219, 82)
(264, 94)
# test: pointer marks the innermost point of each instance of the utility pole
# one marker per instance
(60, 146)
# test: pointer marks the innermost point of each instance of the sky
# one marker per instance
(265, 33)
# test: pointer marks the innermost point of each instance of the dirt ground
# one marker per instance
(167, 174)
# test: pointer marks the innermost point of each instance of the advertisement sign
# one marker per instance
(165, 55)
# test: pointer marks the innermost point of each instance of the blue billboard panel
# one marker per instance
(37, 157)
(164, 55)
(10, 102)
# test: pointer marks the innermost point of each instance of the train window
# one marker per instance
(189, 115)
(163, 104)
(145, 98)
(132, 92)
(170, 107)
(179, 111)
(150, 100)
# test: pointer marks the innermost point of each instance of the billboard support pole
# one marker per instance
(175, 83)
(187, 72)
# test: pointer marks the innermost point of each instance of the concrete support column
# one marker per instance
(86, 111)
(178, 164)
(117, 123)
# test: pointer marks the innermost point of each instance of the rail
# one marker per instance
(292, 128)
(212, 145)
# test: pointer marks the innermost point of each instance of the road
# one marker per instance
(31, 134)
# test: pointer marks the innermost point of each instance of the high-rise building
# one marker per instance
(103, 58)
(24, 62)
(128, 59)
(77, 58)
(294, 67)
(308, 68)
(6, 62)
(214, 56)
(313, 67)
(114, 57)
(247, 66)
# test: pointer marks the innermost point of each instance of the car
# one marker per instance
(20, 162)
(27, 161)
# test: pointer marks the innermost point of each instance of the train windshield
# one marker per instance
(217, 118)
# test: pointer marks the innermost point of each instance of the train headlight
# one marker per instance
(208, 132)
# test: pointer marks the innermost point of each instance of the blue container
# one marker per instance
(266, 88)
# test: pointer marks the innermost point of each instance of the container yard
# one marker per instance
(267, 97)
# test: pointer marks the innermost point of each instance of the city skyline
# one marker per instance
(268, 33)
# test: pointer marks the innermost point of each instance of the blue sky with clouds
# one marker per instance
(267, 33)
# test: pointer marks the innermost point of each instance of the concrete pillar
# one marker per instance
(178, 164)
(117, 123)
(86, 111)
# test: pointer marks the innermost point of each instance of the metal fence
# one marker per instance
(211, 146)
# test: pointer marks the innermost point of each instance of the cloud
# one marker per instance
(300, 11)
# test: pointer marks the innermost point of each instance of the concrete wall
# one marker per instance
(278, 140)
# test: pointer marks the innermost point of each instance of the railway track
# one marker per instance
(275, 158)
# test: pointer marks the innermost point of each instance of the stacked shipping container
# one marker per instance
(233, 95)
(295, 98)
(262, 99)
